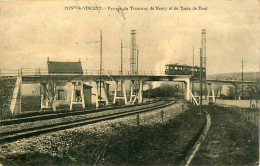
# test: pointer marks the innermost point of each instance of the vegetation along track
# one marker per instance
(24, 133)
(66, 113)
(201, 137)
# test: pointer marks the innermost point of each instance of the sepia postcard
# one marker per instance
(129, 82)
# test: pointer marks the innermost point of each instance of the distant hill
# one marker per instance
(248, 76)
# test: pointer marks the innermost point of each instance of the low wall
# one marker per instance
(238, 103)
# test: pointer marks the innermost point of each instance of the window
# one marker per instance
(61, 94)
(176, 68)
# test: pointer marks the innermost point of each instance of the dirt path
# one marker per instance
(230, 141)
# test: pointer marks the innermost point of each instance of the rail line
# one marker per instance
(64, 114)
(34, 131)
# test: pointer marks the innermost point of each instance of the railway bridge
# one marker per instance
(77, 80)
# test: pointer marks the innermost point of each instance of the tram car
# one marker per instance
(176, 69)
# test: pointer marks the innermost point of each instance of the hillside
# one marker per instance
(248, 76)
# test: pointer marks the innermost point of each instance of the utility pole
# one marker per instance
(192, 60)
(137, 54)
(201, 80)
(133, 53)
(182, 90)
(149, 90)
(192, 88)
(204, 56)
(242, 88)
(100, 67)
(133, 60)
(100, 72)
(121, 66)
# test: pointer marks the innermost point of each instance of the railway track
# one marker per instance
(34, 131)
(65, 114)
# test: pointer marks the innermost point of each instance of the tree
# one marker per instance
(234, 91)
(253, 92)
(48, 91)
(250, 94)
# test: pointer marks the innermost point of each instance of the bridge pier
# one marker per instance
(124, 97)
(136, 91)
(133, 94)
(103, 92)
(16, 101)
(44, 101)
(188, 89)
(77, 86)
(210, 87)
(140, 94)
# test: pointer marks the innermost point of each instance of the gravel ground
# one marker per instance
(56, 144)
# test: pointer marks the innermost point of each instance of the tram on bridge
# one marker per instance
(176, 69)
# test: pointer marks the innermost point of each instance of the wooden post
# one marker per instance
(124, 92)
(140, 96)
(162, 115)
(115, 94)
(72, 96)
(82, 96)
(97, 104)
(138, 120)
(131, 90)
(20, 91)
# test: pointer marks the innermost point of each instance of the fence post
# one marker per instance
(254, 118)
(138, 120)
(162, 115)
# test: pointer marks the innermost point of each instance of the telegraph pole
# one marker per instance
(137, 54)
(201, 80)
(193, 60)
(192, 88)
(100, 70)
(133, 53)
(242, 88)
(204, 56)
(121, 66)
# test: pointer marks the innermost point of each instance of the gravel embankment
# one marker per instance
(59, 144)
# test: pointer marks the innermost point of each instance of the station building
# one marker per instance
(66, 95)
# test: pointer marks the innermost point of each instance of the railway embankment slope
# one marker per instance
(231, 140)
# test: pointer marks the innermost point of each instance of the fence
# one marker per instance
(251, 115)
(44, 72)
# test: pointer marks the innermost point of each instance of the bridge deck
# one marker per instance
(39, 75)
(42, 78)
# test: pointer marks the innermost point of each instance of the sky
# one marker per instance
(32, 30)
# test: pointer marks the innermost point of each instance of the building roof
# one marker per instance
(64, 67)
